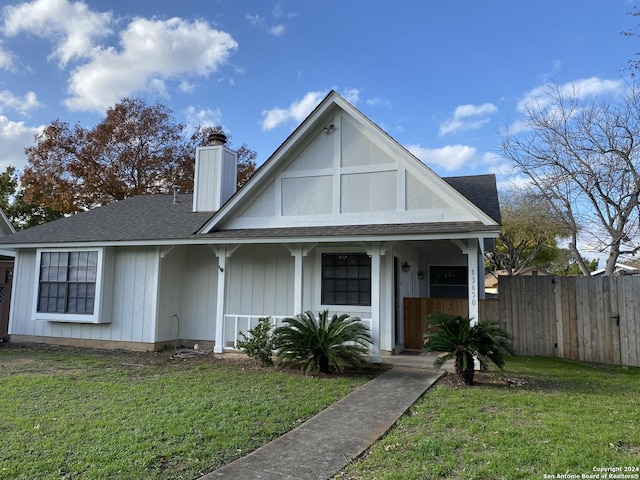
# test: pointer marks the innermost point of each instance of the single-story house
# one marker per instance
(620, 269)
(340, 217)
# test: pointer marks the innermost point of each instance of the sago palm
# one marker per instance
(457, 339)
(321, 344)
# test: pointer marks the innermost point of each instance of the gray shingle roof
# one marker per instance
(481, 190)
(144, 217)
(155, 217)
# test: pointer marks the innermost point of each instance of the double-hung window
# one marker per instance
(346, 279)
(68, 285)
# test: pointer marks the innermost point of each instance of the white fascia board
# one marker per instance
(415, 164)
(6, 222)
(273, 162)
(270, 240)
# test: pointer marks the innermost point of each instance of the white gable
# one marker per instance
(340, 169)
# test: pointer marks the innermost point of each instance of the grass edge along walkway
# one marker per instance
(80, 413)
(541, 416)
(323, 445)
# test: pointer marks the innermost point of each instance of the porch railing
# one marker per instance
(236, 323)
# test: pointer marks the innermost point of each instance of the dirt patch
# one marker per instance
(487, 379)
(26, 353)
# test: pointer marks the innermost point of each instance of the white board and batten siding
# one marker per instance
(260, 283)
(134, 294)
(197, 315)
(132, 303)
(349, 176)
(170, 296)
(260, 280)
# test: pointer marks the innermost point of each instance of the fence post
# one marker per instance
(557, 298)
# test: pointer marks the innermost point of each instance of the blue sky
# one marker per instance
(442, 78)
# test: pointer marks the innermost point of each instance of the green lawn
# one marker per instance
(84, 414)
(562, 417)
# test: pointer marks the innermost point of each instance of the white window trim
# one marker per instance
(318, 282)
(69, 317)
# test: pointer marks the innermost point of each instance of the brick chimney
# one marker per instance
(215, 175)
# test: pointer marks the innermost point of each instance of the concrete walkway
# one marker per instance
(322, 446)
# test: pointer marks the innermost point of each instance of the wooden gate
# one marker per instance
(6, 278)
(417, 309)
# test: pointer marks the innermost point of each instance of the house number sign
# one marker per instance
(472, 285)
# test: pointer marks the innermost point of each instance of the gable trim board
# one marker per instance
(330, 180)
(337, 184)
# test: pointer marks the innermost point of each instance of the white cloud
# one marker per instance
(583, 88)
(378, 102)
(297, 111)
(278, 12)
(277, 30)
(448, 158)
(255, 20)
(351, 95)
(261, 23)
(6, 59)
(72, 26)
(186, 87)
(14, 136)
(22, 105)
(205, 118)
(152, 51)
(468, 117)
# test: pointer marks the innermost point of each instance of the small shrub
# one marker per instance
(258, 345)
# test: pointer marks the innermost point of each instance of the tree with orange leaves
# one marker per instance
(136, 149)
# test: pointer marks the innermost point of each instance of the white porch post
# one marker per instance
(472, 270)
(222, 252)
(297, 282)
(298, 252)
(470, 249)
(375, 251)
(222, 265)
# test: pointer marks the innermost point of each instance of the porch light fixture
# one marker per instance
(421, 275)
(405, 267)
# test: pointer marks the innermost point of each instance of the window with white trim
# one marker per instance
(346, 279)
(69, 284)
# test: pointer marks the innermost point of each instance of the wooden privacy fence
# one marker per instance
(593, 319)
(417, 309)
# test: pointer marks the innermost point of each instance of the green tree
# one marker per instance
(529, 235)
(565, 264)
(20, 213)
